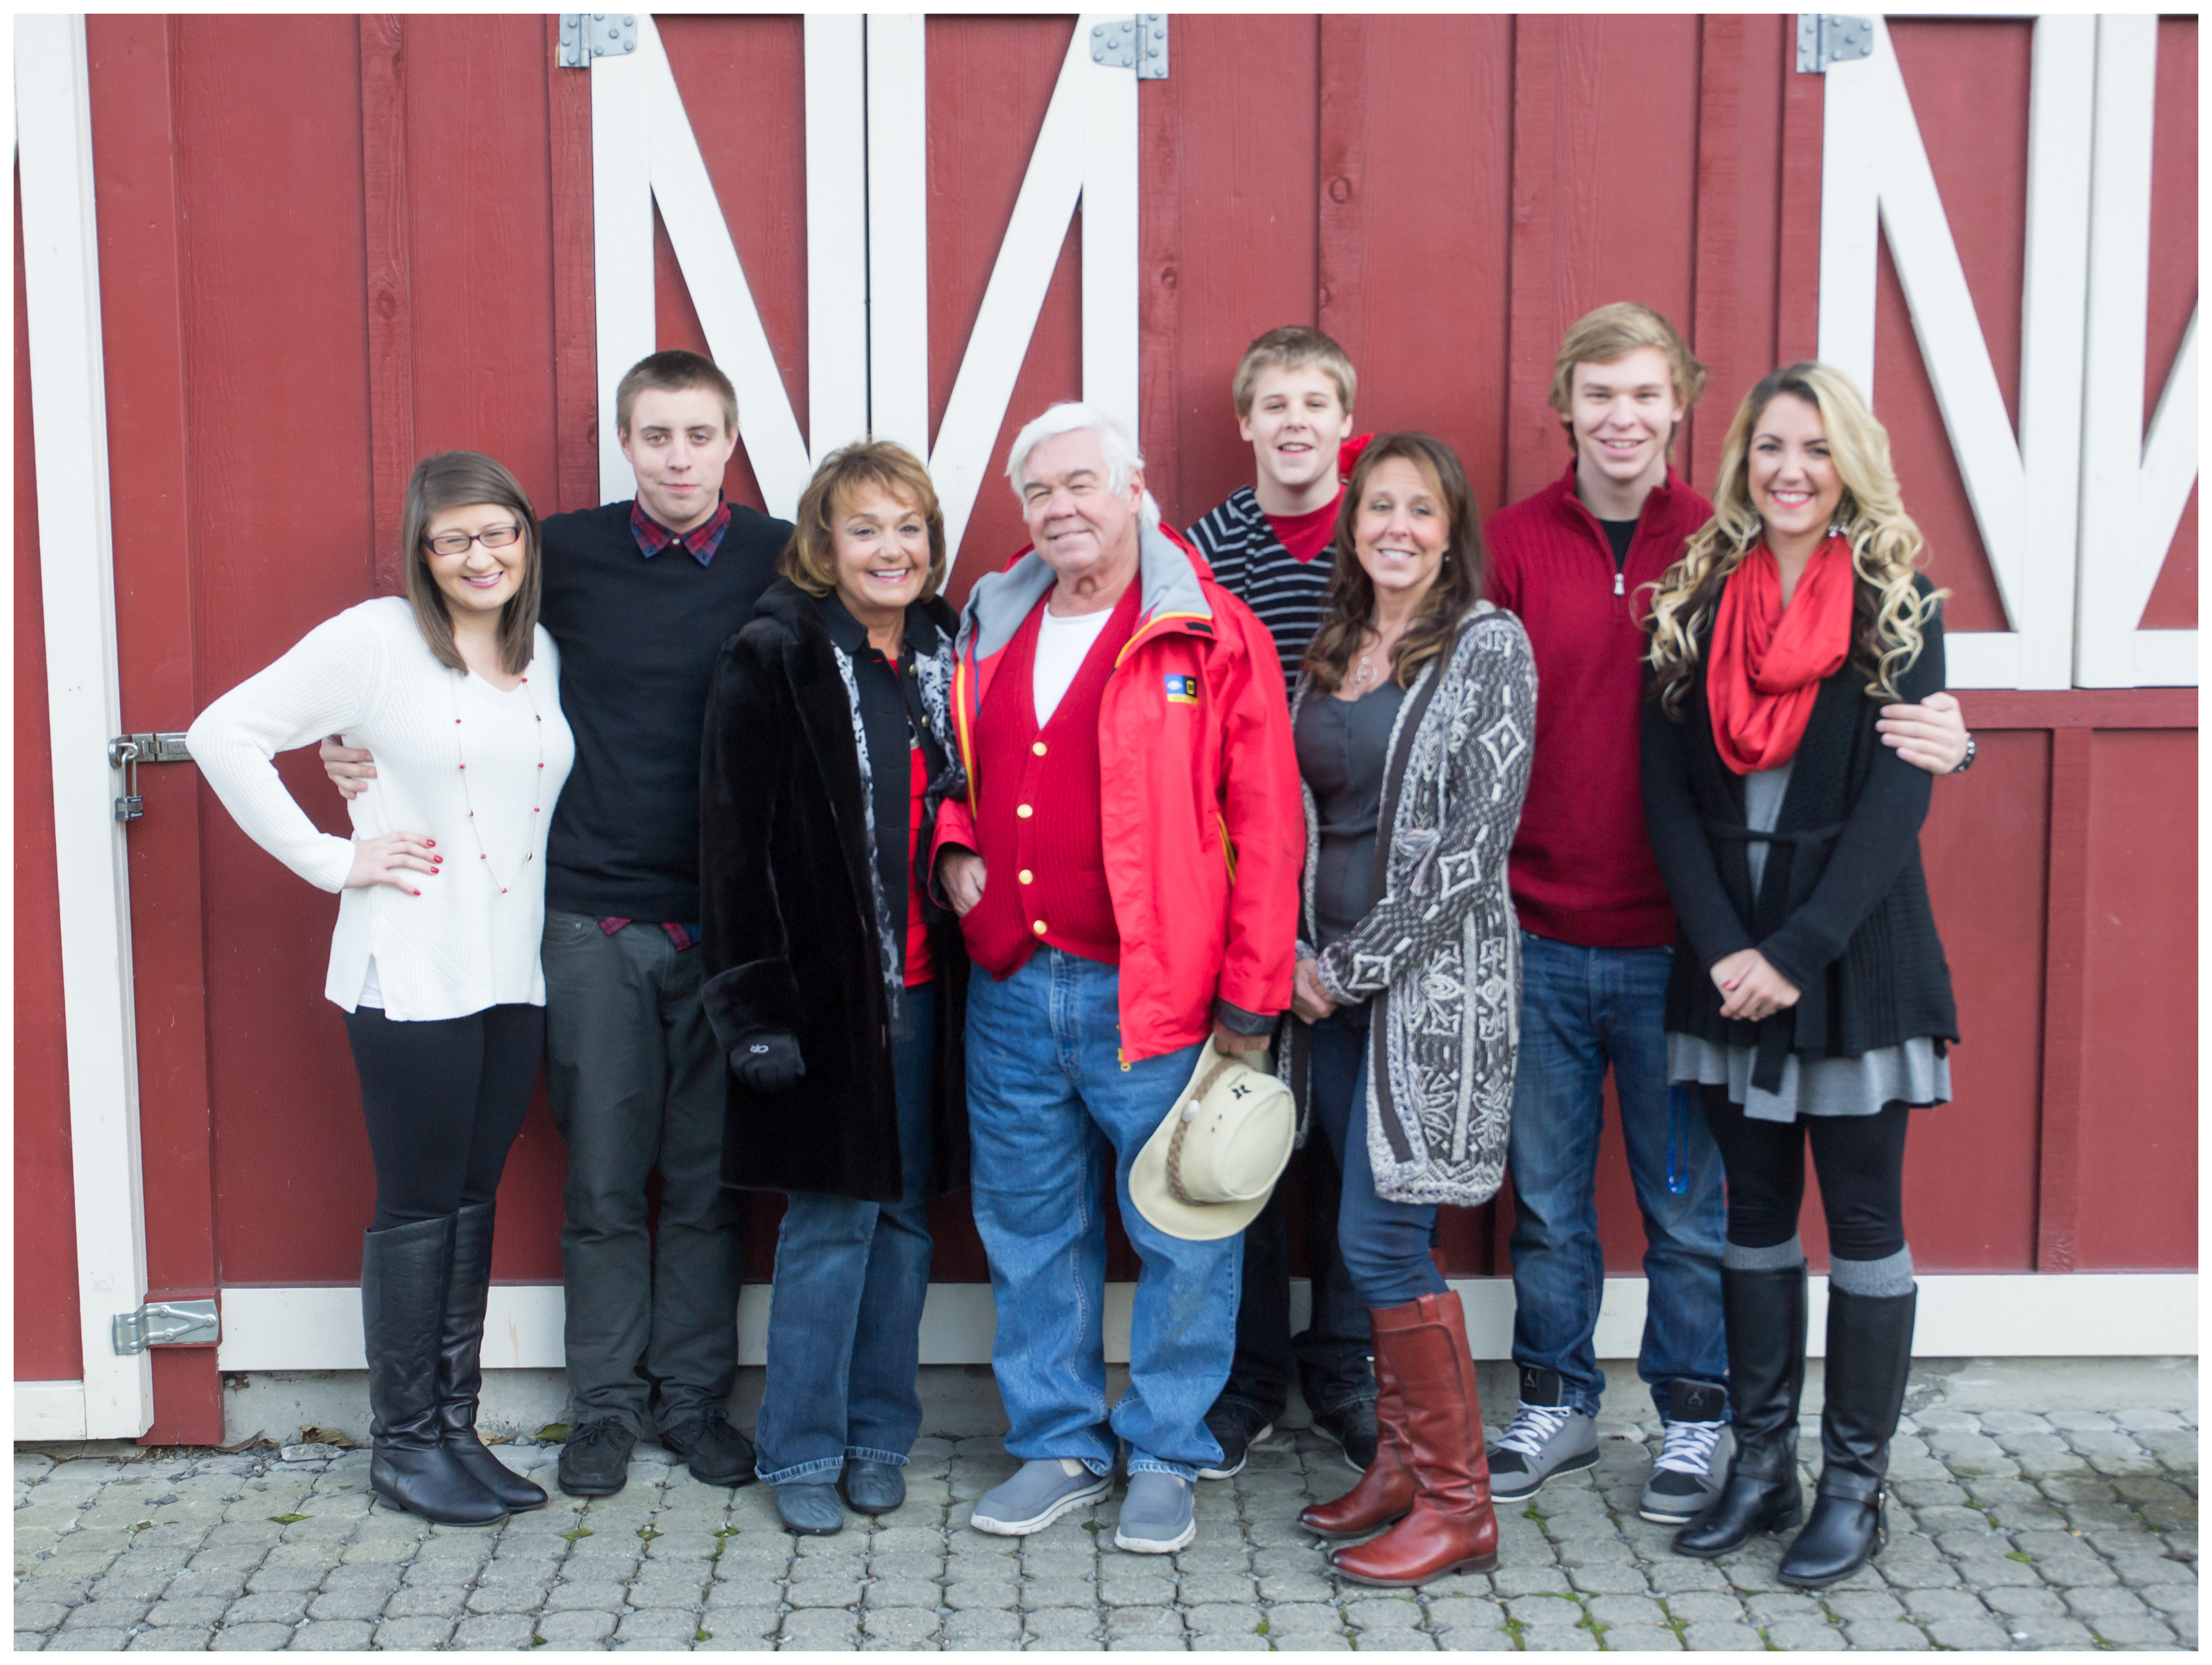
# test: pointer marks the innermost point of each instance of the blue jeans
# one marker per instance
(1385, 1244)
(1050, 1105)
(844, 1321)
(1582, 1009)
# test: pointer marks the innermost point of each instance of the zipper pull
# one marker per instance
(1619, 582)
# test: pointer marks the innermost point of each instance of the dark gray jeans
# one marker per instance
(636, 1077)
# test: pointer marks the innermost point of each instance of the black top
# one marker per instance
(1343, 745)
(1843, 909)
(1621, 534)
(893, 722)
(638, 639)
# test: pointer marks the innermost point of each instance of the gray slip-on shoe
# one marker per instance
(1037, 1493)
(808, 1508)
(1687, 1474)
(1158, 1514)
(1547, 1437)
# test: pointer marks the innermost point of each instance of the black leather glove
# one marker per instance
(768, 1062)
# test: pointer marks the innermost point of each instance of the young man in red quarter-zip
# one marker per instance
(1596, 931)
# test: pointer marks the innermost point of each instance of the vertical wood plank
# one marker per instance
(1339, 301)
(1159, 327)
(2065, 954)
(575, 305)
(390, 314)
(1715, 305)
(1532, 444)
(1797, 273)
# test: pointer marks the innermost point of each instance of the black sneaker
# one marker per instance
(1235, 1427)
(716, 1453)
(1351, 1426)
(595, 1462)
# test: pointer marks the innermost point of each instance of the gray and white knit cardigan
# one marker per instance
(1440, 950)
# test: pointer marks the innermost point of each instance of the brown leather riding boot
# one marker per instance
(1386, 1491)
(1452, 1526)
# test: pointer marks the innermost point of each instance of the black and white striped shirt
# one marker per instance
(1250, 563)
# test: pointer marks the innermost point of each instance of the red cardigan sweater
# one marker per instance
(1582, 868)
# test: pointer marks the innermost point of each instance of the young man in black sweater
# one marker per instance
(639, 597)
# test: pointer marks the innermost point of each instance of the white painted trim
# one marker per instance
(1111, 343)
(61, 282)
(622, 244)
(899, 230)
(49, 1410)
(962, 457)
(1961, 1315)
(837, 231)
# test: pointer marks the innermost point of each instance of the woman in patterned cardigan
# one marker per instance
(1413, 720)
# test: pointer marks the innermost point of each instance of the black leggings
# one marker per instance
(1861, 1162)
(444, 1100)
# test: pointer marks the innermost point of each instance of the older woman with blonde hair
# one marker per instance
(1810, 996)
(834, 983)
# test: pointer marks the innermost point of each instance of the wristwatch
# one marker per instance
(1967, 762)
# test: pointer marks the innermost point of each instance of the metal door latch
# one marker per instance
(585, 35)
(1826, 37)
(1142, 44)
(127, 751)
(166, 1324)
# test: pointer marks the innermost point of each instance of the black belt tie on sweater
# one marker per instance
(1803, 1027)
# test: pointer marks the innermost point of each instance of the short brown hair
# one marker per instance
(1612, 333)
(1293, 347)
(456, 479)
(1348, 604)
(673, 370)
(809, 559)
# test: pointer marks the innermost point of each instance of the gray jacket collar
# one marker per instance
(1168, 587)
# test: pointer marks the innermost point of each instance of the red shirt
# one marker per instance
(919, 966)
(1307, 535)
(1582, 868)
(1038, 808)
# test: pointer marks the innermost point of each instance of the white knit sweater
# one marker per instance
(462, 945)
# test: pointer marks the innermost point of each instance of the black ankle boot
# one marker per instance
(1869, 1353)
(460, 1362)
(403, 1308)
(1766, 1315)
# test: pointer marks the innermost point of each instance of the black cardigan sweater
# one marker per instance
(790, 936)
(1843, 913)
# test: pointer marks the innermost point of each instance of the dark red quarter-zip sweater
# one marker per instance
(1582, 868)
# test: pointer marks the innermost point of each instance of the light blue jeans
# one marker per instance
(1050, 1105)
(1580, 1010)
(844, 1318)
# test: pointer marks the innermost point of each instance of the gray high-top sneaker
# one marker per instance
(1547, 1437)
(1684, 1478)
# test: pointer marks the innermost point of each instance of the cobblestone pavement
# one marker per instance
(2009, 1530)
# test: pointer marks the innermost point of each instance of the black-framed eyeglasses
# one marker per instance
(457, 542)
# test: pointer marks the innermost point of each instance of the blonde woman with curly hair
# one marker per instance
(1809, 996)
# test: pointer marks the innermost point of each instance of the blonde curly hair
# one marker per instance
(1888, 611)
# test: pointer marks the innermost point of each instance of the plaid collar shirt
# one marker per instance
(700, 543)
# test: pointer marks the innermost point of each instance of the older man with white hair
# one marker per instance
(1125, 863)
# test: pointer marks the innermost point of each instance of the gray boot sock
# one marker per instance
(1780, 1258)
(1890, 1275)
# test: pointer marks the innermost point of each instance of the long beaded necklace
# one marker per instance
(537, 807)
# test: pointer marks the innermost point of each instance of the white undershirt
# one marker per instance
(1062, 646)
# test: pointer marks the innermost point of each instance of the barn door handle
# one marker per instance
(127, 751)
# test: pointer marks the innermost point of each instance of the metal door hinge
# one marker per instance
(585, 35)
(127, 751)
(1827, 36)
(166, 1324)
(1143, 44)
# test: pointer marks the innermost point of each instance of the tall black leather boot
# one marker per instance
(1766, 1315)
(402, 1309)
(1869, 1353)
(460, 1361)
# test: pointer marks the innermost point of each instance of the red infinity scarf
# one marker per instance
(1768, 660)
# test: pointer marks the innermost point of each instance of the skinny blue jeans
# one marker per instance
(1582, 1009)
(1052, 1109)
(1385, 1244)
(844, 1321)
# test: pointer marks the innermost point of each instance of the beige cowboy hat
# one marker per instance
(1207, 1168)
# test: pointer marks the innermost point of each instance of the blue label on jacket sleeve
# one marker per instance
(1182, 690)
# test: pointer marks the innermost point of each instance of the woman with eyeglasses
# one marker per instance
(456, 688)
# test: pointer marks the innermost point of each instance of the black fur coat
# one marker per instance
(790, 928)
